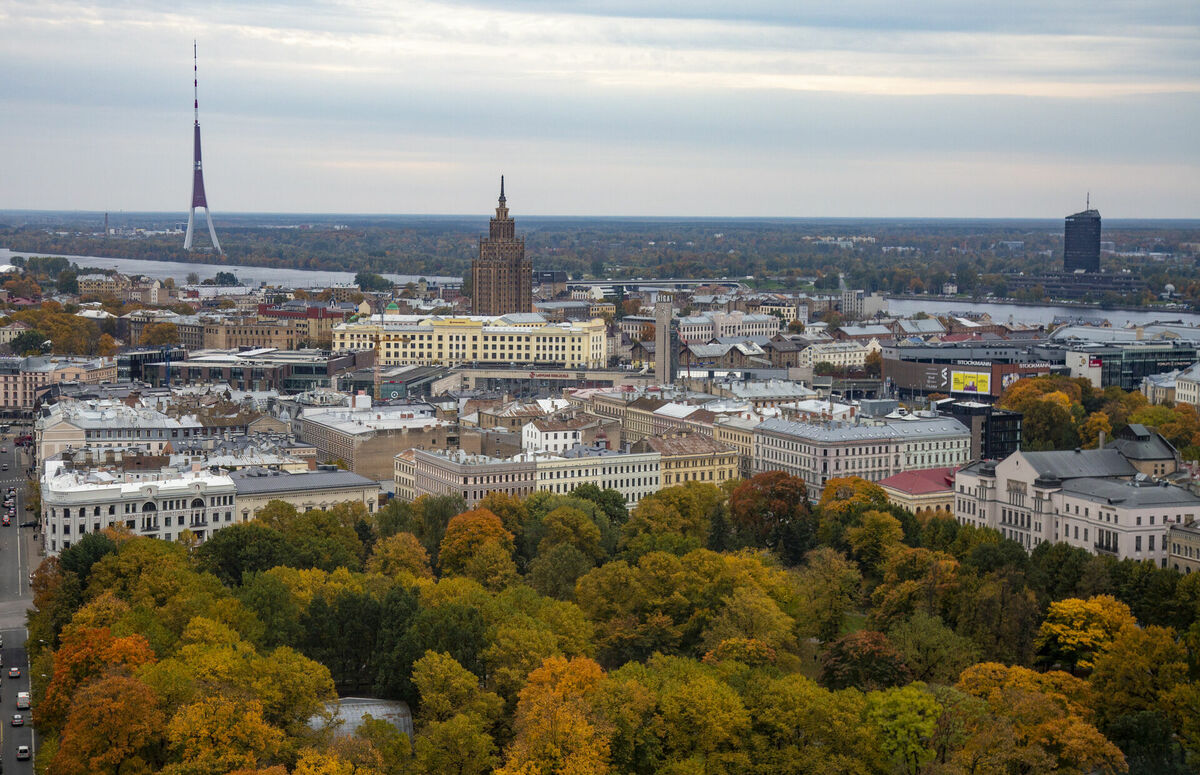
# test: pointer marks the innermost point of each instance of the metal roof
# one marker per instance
(257, 481)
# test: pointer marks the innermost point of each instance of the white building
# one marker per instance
(1187, 385)
(633, 474)
(711, 325)
(157, 505)
(1093, 499)
(848, 355)
(819, 451)
(106, 424)
(551, 435)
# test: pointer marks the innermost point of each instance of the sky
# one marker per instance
(800, 108)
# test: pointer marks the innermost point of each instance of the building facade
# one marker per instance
(306, 490)
(820, 451)
(502, 277)
(509, 339)
(157, 505)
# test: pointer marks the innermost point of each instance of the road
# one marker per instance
(18, 556)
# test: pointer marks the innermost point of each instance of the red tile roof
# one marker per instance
(922, 482)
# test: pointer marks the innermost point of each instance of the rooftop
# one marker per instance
(258, 481)
(1079, 463)
(838, 431)
(1129, 494)
(921, 482)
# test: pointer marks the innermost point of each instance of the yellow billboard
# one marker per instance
(970, 382)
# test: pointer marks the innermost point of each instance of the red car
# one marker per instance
(7, 520)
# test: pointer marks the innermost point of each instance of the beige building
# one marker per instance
(737, 433)
(930, 489)
(845, 355)
(13, 330)
(634, 474)
(405, 476)
(98, 284)
(367, 439)
(307, 491)
(691, 457)
(1184, 541)
(472, 477)
(20, 378)
(519, 338)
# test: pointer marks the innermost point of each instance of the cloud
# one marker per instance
(437, 94)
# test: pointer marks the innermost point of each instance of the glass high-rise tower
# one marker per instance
(1081, 242)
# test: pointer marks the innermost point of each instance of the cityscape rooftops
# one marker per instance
(839, 431)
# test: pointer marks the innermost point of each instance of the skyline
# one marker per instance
(617, 108)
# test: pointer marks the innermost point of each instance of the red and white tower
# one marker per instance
(198, 198)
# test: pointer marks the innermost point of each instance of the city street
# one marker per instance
(18, 556)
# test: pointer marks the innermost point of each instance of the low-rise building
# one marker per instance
(634, 474)
(306, 490)
(843, 355)
(737, 433)
(1187, 385)
(21, 378)
(108, 424)
(1184, 547)
(472, 477)
(930, 490)
(552, 435)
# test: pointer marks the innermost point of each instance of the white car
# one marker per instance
(22, 752)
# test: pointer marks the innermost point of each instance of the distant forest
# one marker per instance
(902, 256)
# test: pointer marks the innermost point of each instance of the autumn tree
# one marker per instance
(399, 553)
(829, 587)
(115, 725)
(157, 334)
(864, 660)
(1075, 630)
(772, 509)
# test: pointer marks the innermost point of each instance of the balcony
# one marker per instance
(1111, 551)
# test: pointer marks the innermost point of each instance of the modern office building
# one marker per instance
(502, 277)
(1081, 242)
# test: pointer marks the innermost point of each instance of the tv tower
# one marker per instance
(198, 199)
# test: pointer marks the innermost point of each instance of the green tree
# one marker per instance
(931, 650)
(829, 587)
(863, 660)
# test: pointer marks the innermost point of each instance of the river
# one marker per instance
(249, 275)
(1022, 313)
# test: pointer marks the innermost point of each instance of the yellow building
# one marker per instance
(930, 490)
(519, 338)
(691, 457)
(737, 433)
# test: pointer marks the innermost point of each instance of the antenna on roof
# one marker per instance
(1088, 206)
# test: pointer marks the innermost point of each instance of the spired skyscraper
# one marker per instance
(1081, 241)
(502, 277)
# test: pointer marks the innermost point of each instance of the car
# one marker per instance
(30, 523)
(22, 752)
(7, 520)
(18, 720)
(14, 672)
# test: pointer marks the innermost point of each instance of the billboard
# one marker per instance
(970, 382)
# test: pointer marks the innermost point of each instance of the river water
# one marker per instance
(249, 275)
(1001, 313)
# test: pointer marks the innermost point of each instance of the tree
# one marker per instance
(157, 334)
(107, 346)
(1075, 630)
(243, 548)
(772, 508)
(1136, 671)
(28, 342)
(399, 553)
(219, 734)
(556, 728)
(447, 689)
(864, 660)
(467, 534)
(458, 745)
(843, 502)
(829, 586)
(193, 278)
(873, 538)
(931, 650)
(114, 725)
(1095, 424)
(369, 281)
(906, 719)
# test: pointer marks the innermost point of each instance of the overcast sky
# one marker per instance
(618, 107)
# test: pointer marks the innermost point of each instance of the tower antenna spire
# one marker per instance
(1089, 201)
(198, 197)
(501, 188)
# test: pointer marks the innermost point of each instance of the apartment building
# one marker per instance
(691, 457)
(635, 474)
(21, 378)
(712, 325)
(471, 477)
(506, 339)
(108, 424)
(819, 451)
(737, 433)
